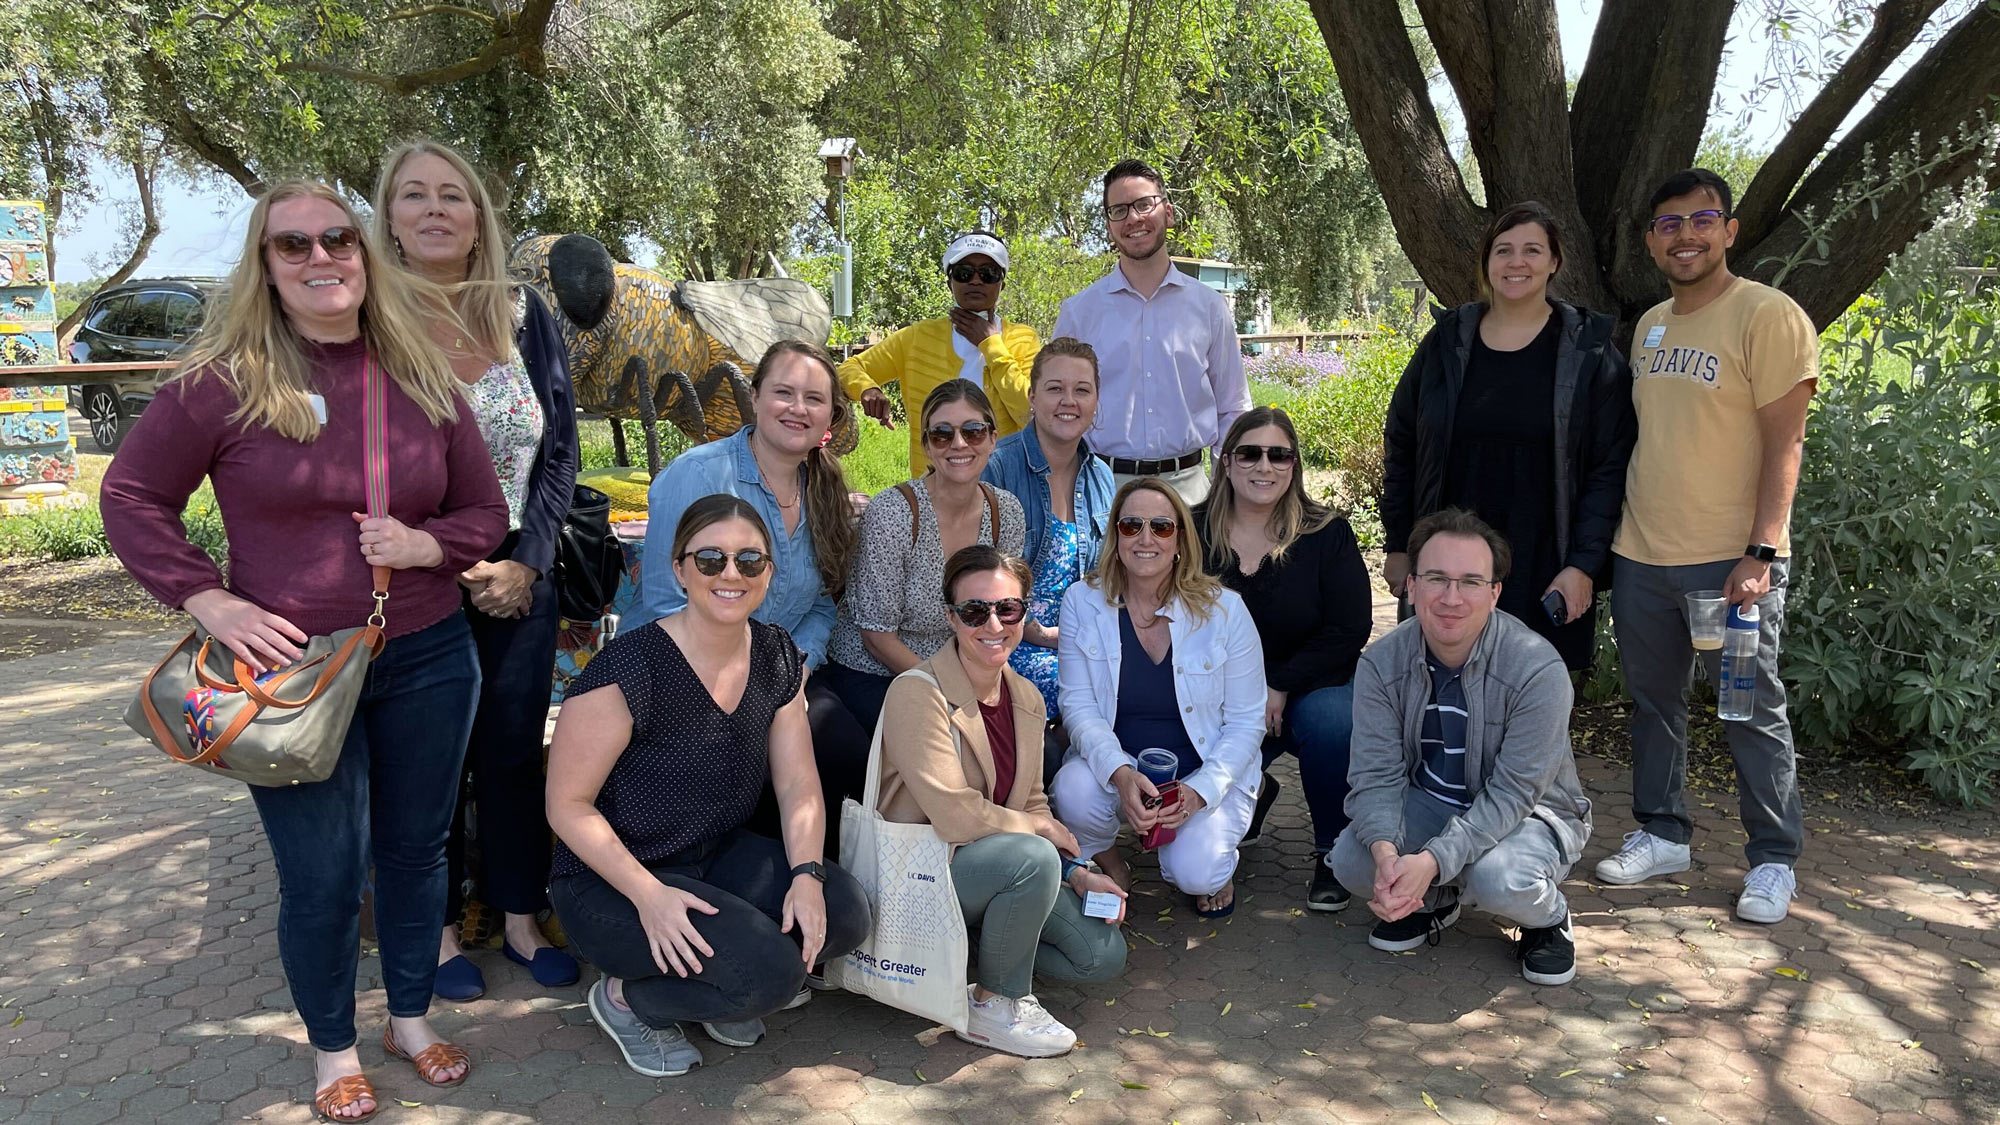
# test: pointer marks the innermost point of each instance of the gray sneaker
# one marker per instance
(741, 1033)
(656, 1052)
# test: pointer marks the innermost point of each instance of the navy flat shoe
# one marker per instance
(459, 979)
(551, 967)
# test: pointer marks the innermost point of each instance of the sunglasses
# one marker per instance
(963, 273)
(975, 433)
(1703, 222)
(296, 246)
(974, 613)
(1280, 455)
(1163, 526)
(750, 562)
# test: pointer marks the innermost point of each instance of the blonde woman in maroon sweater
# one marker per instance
(268, 406)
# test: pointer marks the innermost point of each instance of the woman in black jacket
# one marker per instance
(435, 212)
(1518, 407)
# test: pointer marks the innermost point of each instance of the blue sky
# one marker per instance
(202, 225)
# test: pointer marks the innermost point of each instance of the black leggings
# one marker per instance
(840, 749)
(756, 969)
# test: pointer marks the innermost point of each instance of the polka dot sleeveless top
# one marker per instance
(692, 770)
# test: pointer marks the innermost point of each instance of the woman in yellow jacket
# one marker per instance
(971, 343)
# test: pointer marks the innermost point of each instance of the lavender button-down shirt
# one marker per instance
(1170, 376)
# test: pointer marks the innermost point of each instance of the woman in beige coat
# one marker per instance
(962, 751)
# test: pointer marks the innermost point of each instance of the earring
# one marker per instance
(400, 256)
(474, 256)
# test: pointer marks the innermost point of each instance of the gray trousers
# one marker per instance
(1650, 619)
(1519, 880)
(1025, 921)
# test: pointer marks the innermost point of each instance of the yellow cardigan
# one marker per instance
(921, 357)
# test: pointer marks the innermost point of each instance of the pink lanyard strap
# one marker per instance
(375, 451)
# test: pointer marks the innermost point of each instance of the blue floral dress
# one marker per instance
(1060, 564)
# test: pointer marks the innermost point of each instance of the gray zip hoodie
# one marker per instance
(1518, 760)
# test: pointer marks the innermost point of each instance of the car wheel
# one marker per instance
(105, 415)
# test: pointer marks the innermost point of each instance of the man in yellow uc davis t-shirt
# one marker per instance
(969, 343)
(1723, 374)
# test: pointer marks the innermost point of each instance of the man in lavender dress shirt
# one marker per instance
(1170, 376)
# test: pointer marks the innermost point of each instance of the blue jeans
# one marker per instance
(390, 798)
(1317, 729)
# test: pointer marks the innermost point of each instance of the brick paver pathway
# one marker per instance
(139, 982)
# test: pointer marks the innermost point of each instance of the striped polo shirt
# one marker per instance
(1441, 755)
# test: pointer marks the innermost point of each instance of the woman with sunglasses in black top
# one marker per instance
(1299, 570)
(890, 617)
(662, 750)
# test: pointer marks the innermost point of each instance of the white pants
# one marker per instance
(1191, 482)
(1202, 857)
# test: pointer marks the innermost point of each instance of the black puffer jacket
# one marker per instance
(1594, 424)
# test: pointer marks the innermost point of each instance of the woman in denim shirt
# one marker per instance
(1065, 492)
(781, 467)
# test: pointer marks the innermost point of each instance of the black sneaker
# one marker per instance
(1548, 953)
(1326, 895)
(1422, 927)
(1267, 795)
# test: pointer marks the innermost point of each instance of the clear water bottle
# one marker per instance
(1736, 687)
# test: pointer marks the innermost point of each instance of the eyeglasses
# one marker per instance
(1438, 582)
(1163, 526)
(1279, 455)
(750, 562)
(296, 246)
(975, 433)
(1703, 222)
(972, 614)
(963, 273)
(1142, 207)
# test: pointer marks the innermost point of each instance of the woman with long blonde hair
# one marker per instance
(1299, 571)
(434, 209)
(270, 408)
(1157, 655)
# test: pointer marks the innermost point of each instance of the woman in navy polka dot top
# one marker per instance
(662, 750)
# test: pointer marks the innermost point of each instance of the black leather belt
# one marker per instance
(1143, 468)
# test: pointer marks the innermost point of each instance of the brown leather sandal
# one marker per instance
(432, 1060)
(344, 1092)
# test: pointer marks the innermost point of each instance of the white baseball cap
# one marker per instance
(978, 242)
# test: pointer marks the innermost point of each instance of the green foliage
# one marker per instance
(1897, 563)
(1340, 418)
(67, 534)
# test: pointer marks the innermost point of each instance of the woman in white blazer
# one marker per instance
(1155, 653)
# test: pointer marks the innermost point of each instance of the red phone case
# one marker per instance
(1157, 836)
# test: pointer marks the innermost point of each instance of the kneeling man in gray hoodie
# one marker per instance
(1464, 785)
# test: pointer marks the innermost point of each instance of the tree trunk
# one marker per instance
(1640, 108)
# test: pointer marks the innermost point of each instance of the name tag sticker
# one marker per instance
(318, 403)
(1100, 904)
(1654, 335)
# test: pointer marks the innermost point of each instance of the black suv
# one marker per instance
(133, 322)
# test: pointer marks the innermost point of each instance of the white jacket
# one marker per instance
(1218, 680)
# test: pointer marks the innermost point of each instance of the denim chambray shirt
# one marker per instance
(1019, 466)
(797, 600)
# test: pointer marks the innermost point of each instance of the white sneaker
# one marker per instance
(1018, 1027)
(1767, 893)
(1643, 857)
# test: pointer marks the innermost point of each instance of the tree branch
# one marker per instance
(1945, 92)
(522, 39)
(1897, 23)
(1436, 221)
(442, 10)
(174, 114)
(143, 173)
(1640, 107)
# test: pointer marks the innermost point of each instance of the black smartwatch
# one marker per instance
(815, 870)
(1762, 552)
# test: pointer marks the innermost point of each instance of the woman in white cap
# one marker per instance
(971, 343)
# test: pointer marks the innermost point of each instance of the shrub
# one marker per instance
(1295, 371)
(1340, 419)
(1897, 556)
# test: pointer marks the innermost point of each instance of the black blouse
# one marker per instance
(1314, 611)
(692, 771)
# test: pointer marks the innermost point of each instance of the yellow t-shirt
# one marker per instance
(1691, 490)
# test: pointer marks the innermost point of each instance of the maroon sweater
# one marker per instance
(294, 547)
